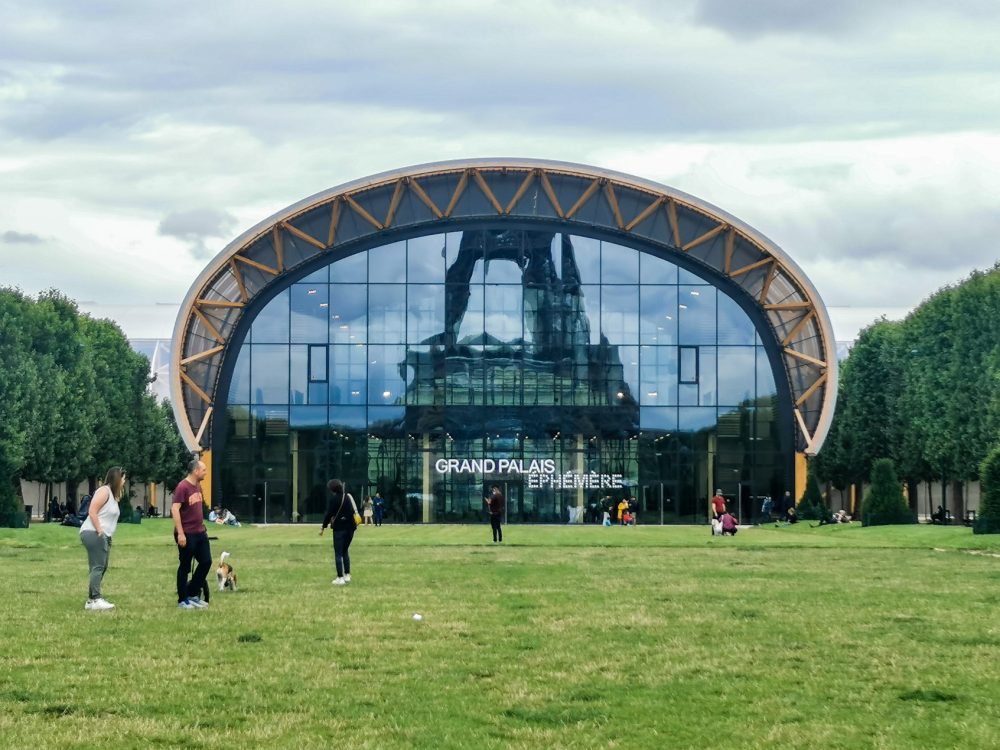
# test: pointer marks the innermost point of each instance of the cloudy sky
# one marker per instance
(137, 139)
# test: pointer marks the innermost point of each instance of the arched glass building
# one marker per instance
(563, 331)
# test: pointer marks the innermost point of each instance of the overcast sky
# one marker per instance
(137, 139)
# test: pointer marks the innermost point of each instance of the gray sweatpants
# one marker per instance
(98, 551)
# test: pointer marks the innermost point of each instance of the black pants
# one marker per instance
(197, 548)
(495, 524)
(341, 543)
(378, 516)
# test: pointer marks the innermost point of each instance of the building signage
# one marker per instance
(540, 473)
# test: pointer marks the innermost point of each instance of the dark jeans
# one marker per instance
(198, 549)
(378, 516)
(495, 525)
(341, 543)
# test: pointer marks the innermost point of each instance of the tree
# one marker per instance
(811, 505)
(988, 519)
(884, 503)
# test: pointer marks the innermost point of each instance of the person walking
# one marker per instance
(341, 516)
(379, 506)
(369, 511)
(96, 533)
(495, 506)
(191, 536)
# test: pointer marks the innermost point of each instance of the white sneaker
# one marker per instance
(347, 577)
(100, 605)
(338, 582)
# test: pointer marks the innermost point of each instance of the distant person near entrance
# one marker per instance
(379, 503)
(188, 512)
(495, 505)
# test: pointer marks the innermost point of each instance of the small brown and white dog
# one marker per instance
(225, 574)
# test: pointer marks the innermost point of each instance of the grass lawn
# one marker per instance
(659, 637)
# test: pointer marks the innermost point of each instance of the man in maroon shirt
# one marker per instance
(718, 504)
(188, 512)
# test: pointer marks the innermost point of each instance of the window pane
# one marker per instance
(502, 319)
(424, 312)
(581, 261)
(620, 314)
(348, 313)
(736, 374)
(619, 265)
(696, 313)
(271, 324)
(317, 363)
(310, 305)
(689, 364)
(658, 375)
(348, 374)
(655, 270)
(425, 259)
(658, 315)
(239, 386)
(269, 374)
(464, 257)
(385, 381)
(352, 269)
(734, 324)
(387, 263)
(387, 313)
(503, 255)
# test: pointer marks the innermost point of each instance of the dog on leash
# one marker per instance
(225, 574)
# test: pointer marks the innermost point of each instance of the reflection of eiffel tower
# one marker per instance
(558, 361)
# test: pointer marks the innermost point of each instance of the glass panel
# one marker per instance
(658, 375)
(685, 276)
(322, 276)
(583, 316)
(655, 270)
(353, 269)
(696, 311)
(317, 364)
(503, 255)
(696, 419)
(620, 314)
(707, 387)
(689, 364)
(581, 261)
(464, 257)
(619, 265)
(734, 324)
(348, 313)
(659, 418)
(424, 312)
(309, 313)
(387, 313)
(271, 324)
(468, 324)
(269, 374)
(347, 418)
(298, 365)
(658, 315)
(765, 376)
(305, 417)
(385, 379)
(239, 386)
(387, 263)
(502, 318)
(348, 374)
(425, 258)
(736, 374)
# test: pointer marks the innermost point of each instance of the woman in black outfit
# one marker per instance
(341, 512)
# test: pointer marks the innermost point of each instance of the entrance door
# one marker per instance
(658, 503)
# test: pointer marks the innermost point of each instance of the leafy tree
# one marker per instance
(988, 519)
(884, 503)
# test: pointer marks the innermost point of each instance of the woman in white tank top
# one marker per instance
(97, 531)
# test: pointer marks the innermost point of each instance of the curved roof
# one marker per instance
(566, 197)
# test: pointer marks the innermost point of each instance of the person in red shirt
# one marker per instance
(188, 512)
(730, 524)
(718, 504)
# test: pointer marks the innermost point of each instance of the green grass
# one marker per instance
(836, 637)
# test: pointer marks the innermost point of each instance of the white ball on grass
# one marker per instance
(417, 616)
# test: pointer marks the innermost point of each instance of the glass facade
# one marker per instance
(562, 367)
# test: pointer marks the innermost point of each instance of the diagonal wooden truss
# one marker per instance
(423, 199)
